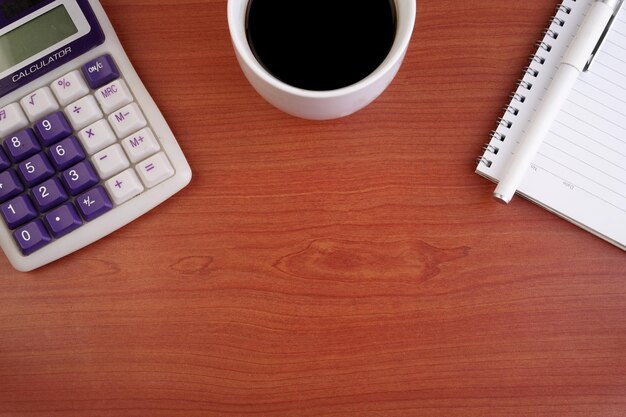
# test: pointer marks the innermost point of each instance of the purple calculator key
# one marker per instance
(49, 194)
(35, 169)
(10, 185)
(100, 71)
(18, 211)
(21, 145)
(94, 203)
(32, 237)
(66, 153)
(80, 177)
(63, 220)
(4, 161)
(52, 129)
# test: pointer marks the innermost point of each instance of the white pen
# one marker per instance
(576, 60)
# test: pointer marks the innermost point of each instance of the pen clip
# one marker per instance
(609, 25)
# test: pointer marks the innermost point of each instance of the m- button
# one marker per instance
(127, 120)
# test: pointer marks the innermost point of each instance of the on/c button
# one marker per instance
(100, 71)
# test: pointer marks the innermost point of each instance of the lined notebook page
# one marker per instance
(580, 170)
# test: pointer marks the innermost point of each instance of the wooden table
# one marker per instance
(356, 267)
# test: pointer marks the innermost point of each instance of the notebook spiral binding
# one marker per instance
(524, 85)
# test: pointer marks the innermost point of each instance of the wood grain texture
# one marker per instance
(348, 268)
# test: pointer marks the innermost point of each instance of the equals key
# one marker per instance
(155, 170)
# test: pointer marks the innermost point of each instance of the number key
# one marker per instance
(49, 194)
(35, 169)
(66, 153)
(21, 145)
(32, 237)
(80, 177)
(18, 211)
(52, 129)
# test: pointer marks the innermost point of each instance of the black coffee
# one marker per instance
(321, 44)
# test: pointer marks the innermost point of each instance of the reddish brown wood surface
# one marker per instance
(356, 267)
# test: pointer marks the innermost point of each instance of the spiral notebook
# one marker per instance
(580, 170)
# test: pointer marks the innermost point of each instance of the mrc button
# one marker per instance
(100, 71)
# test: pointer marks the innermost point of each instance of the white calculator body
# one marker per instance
(84, 150)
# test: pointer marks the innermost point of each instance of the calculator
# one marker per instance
(84, 150)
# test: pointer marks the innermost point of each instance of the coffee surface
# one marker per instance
(321, 44)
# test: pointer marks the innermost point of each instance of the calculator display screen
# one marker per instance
(35, 36)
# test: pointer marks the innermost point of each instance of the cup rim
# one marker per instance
(398, 49)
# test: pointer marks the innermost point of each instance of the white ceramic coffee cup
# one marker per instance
(320, 105)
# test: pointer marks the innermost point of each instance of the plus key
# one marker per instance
(124, 186)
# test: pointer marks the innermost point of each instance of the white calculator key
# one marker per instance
(83, 112)
(113, 96)
(127, 120)
(141, 145)
(69, 88)
(155, 170)
(110, 161)
(124, 186)
(97, 136)
(39, 103)
(12, 118)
